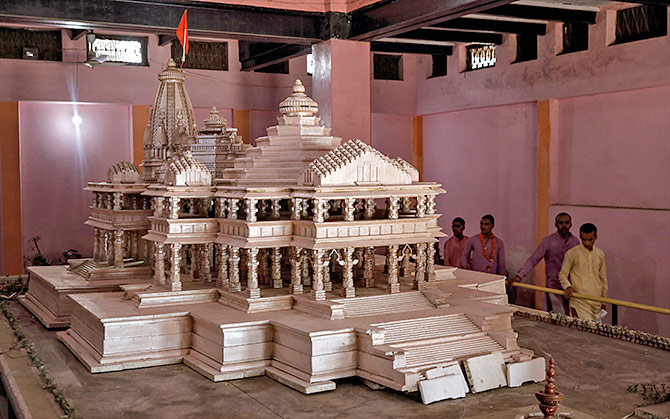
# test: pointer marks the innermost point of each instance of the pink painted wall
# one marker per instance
(392, 135)
(613, 162)
(614, 149)
(57, 162)
(398, 96)
(485, 159)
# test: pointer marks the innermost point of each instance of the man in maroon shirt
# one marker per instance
(453, 248)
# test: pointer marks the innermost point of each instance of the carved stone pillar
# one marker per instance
(276, 267)
(118, 248)
(96, 244)
(369, 267)
(205, 271)
(134, 239)
(369, 208)
(133, 202)
(159, 263)
(405, 261)
(327, 284)
(406, 204)
(174, 208)
(393, 207)
(220, 207)
(159, 206)
(318, 292)
(234, 269)
(305, 208)
(349, 209)
(393, 286)
(222, 265)
(320, 210)
(175, 262)
(348, 273)
(420, 206)
(253, 291)
(118, 201)
(430, 262)
(233, 206)
(252, 210)
(296, 208)
(296, 269)
(430, 204)
(194, 250)
(275, 207)
(420, 267)
(304, 265)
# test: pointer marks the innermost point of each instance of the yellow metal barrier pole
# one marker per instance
(621, 303)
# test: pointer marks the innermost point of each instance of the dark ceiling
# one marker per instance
(268, 36)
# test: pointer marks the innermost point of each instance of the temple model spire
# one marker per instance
(171, 125)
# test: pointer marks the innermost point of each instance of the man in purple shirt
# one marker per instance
(484, 252)
(552, 249)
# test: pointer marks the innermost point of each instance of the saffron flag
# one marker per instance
(182, 35)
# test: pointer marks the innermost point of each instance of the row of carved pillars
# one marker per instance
(171, 258)
(233, 264)
(112, 246)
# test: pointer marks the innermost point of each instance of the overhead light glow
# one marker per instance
(76, 120)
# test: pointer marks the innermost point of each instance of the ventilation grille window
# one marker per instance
(34, 45)
(203, 55)
(642, 22)
(575, 37)
(481, 56)
(439, 65)
(526, 47)
(387, 67)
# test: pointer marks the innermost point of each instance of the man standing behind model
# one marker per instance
(484, 252)
(585, 265)
(453, 248)
(552, 249)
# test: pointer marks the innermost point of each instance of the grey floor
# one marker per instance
(593, 372)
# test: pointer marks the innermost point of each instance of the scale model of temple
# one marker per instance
(304, 258)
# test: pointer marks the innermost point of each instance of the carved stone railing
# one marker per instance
(258, 229)
(185, 230)
(364, 229)
(120, 218)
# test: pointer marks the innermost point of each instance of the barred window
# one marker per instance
(203, 55)
(34, 45)
(480, 56)
(526, 47)
(641, 22)
(439, 65)
(575, 37)
(387, 67)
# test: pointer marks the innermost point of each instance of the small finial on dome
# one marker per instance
(171, 63)
(298, 87)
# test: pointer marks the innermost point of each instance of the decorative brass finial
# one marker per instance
(298, 103)
(549, 398)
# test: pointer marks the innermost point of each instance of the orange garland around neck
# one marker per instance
(493, 246)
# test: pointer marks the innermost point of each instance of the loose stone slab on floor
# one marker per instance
(441, 388)
(522, 372)
(486, 372)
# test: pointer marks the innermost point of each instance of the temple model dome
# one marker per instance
(298, 103)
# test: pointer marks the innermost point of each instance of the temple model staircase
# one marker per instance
(384, 304)
(396, 354)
